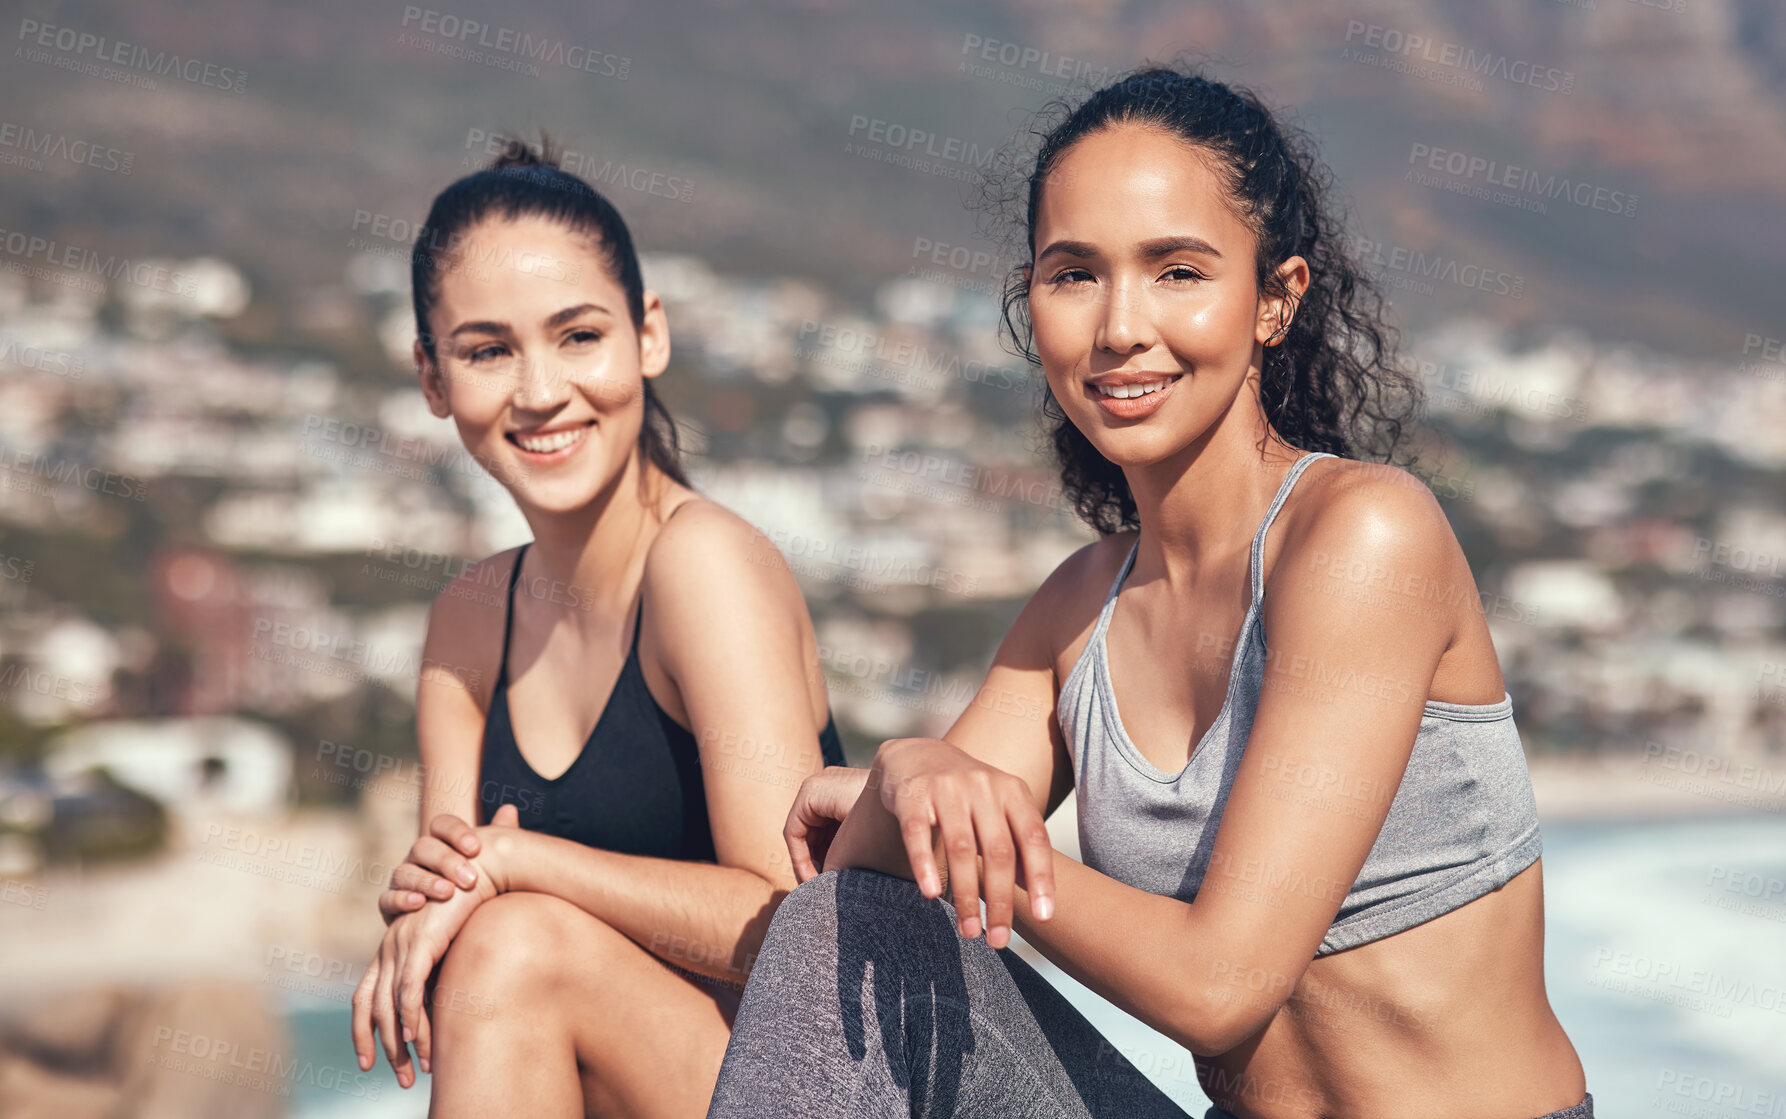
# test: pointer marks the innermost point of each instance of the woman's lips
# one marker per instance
(1138, 396)
(550, 446)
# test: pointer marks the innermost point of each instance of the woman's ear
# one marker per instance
(1279, 311)
(433, 384)
(654, 337)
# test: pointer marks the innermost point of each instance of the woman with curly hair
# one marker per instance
(1311, 851)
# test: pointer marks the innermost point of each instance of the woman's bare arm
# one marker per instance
(726, 620)
(1345, 685)
(1009, 726)
(459, 668)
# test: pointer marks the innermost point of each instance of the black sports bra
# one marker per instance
(636, 786)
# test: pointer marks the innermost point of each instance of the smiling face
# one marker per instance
(1143, 297)
(538, 363)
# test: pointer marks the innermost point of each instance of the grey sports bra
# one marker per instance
(1462, 823)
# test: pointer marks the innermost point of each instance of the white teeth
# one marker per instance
(546, 444)
(1125, 392)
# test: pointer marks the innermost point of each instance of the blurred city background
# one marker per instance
(224, 507)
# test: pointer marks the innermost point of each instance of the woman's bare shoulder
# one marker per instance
(1060, 615)
(1346, 498)
(466, 623)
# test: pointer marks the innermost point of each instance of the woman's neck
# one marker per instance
(592, 550)
(1205, 503)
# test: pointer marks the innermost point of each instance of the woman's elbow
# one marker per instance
(1210, 1021)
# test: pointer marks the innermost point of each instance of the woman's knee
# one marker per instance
(519, 940)
(852, 901)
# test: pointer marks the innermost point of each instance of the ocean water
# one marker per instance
(1665, 957)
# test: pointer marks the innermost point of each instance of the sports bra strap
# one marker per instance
(1097, 634)
(1256, 562)
(508, 620)
(639, 614)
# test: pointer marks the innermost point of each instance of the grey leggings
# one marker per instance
(866, 1001)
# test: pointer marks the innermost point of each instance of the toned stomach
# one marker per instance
(1447, 1018)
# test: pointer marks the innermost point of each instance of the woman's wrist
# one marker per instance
(497, 856)
(869, 837)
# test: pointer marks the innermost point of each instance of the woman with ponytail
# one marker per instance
(1310, 847)
(613, 719)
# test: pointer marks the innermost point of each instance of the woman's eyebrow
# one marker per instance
(569, 313)
(1166, 246)
(485, 327)
(1081, 250)
(1150, 250)
(558, 318)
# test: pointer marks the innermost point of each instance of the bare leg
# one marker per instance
(543, 1010)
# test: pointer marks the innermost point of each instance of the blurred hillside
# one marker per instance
(353, 110)
(221, 495)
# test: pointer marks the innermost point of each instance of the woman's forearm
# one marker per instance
(869, 837)
(700, 916)
(1147, 953)
(1134, 948)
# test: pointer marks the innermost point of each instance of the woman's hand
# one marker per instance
(824, 799)
(439, 862)
(392, 996)
(991, 831)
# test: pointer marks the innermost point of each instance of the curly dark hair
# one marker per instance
(1333, 383)
(523, 181)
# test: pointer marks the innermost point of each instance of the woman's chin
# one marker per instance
(1139, 449)
(556, 496)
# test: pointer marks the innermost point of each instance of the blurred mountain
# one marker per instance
(354, 115)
